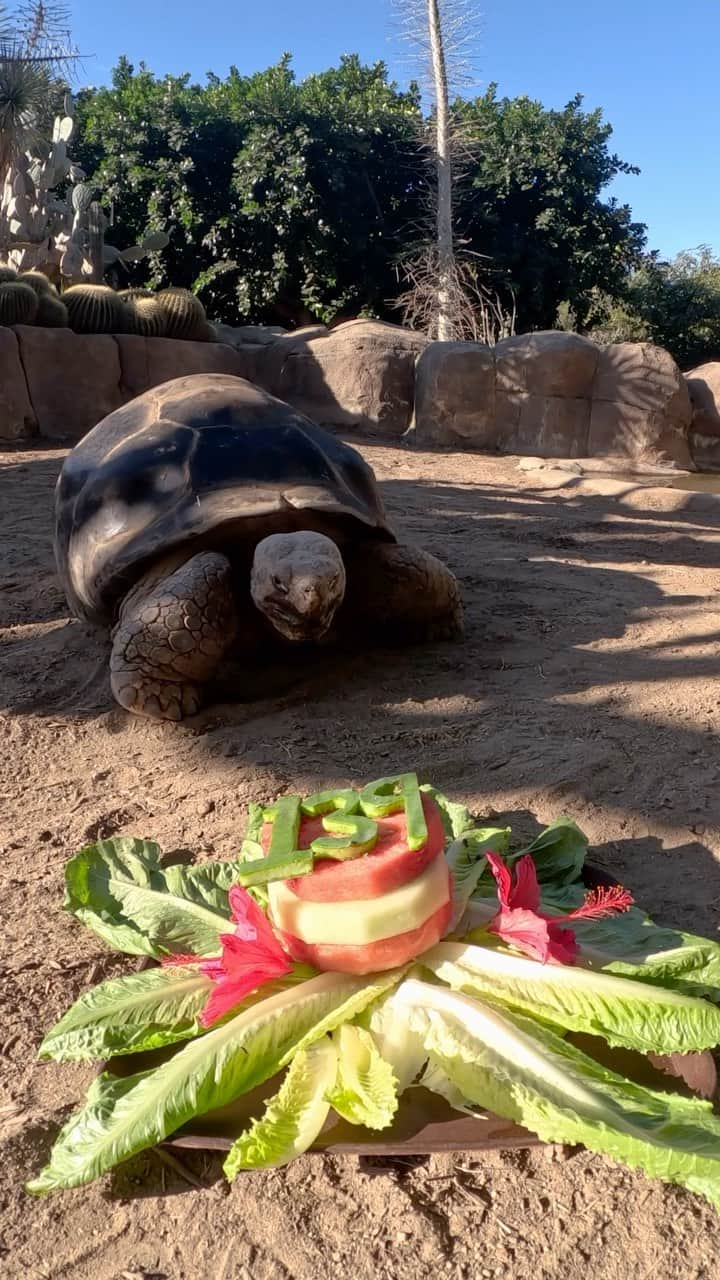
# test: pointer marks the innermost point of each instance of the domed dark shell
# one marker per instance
(206, 461)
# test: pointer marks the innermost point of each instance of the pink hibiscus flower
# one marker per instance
(521, 924)
(250, 957)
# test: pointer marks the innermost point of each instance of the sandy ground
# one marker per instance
(588, 685)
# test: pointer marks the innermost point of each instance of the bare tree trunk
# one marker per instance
(443, 149)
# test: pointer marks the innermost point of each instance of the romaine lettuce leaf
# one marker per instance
(365, 1091)
(467, 861)
(633, 1015)
(293, 1118)
(130, 1014)
(523, 1072)
(119, 890)
(122, 1117)
(399, 1045)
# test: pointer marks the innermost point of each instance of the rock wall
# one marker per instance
(704, 387)
(551, 395)
(59, 384)
(554, 395)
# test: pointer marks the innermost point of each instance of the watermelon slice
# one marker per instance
(387, 866)
(372, 957)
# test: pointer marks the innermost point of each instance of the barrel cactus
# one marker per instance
(18, 303)
(38, 281)
(95, 308)
(7, 273)
(52, 312)
(184, 314)
(128, 295)
(148, 317)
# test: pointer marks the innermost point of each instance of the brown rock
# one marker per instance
(455, 395)
(361, 374)
(147, 362)
(641, 405)
(704, 387)
(73, 380)
(549, 363)
(555, 395)
(705, 450)
(249, 334)
(17, 418)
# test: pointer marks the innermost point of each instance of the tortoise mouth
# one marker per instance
(293, 625)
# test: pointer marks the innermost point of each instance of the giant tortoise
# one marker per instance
(207, 518)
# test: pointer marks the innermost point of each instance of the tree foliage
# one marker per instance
(289, 200)
(679, 303)
(533, 203)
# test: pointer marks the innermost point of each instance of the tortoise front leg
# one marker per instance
(171, 636)
(402, 593)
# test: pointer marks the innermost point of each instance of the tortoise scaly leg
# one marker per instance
(401, 594)
(172, 633)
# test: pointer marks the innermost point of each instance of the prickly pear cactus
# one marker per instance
(185, 315)
(94, 308)
(18, 304)
(64, 235)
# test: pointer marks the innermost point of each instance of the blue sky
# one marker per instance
(650, 64)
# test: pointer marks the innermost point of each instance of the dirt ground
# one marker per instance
(588, 685)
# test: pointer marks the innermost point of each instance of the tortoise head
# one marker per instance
(298, 582)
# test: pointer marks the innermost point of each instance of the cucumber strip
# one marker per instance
(330, 802)
(285, 817)
(354, 837)
(389, 795)
(276, 867)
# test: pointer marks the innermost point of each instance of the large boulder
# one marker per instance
(17, 416)
(361, 374)
(148, 362)
(73, 380)
(641, 406)
(543, 386)
(704, 387)
(455, 395)
(555, 395)
(62, 383)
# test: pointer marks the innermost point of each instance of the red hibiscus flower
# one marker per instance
(250, 956)
(521, 924)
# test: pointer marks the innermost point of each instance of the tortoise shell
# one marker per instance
(204, 462)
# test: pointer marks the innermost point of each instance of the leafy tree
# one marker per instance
(289, 200)
(679, 302)
(533, 204)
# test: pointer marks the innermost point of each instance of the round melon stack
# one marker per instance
(385, 893)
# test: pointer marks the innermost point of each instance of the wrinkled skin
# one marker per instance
(185, 616)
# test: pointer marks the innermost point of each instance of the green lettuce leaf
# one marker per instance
(455, 817)
(293, 1118)
(365, 1091)
(130, 1014)
(397, 1043)
(525, 1073)
(633, 1015)
(559, 852)
(122, 1117)
(438, 1081)
(469, 866)
(119, 890)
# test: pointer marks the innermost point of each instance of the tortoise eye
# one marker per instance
(279, 585)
